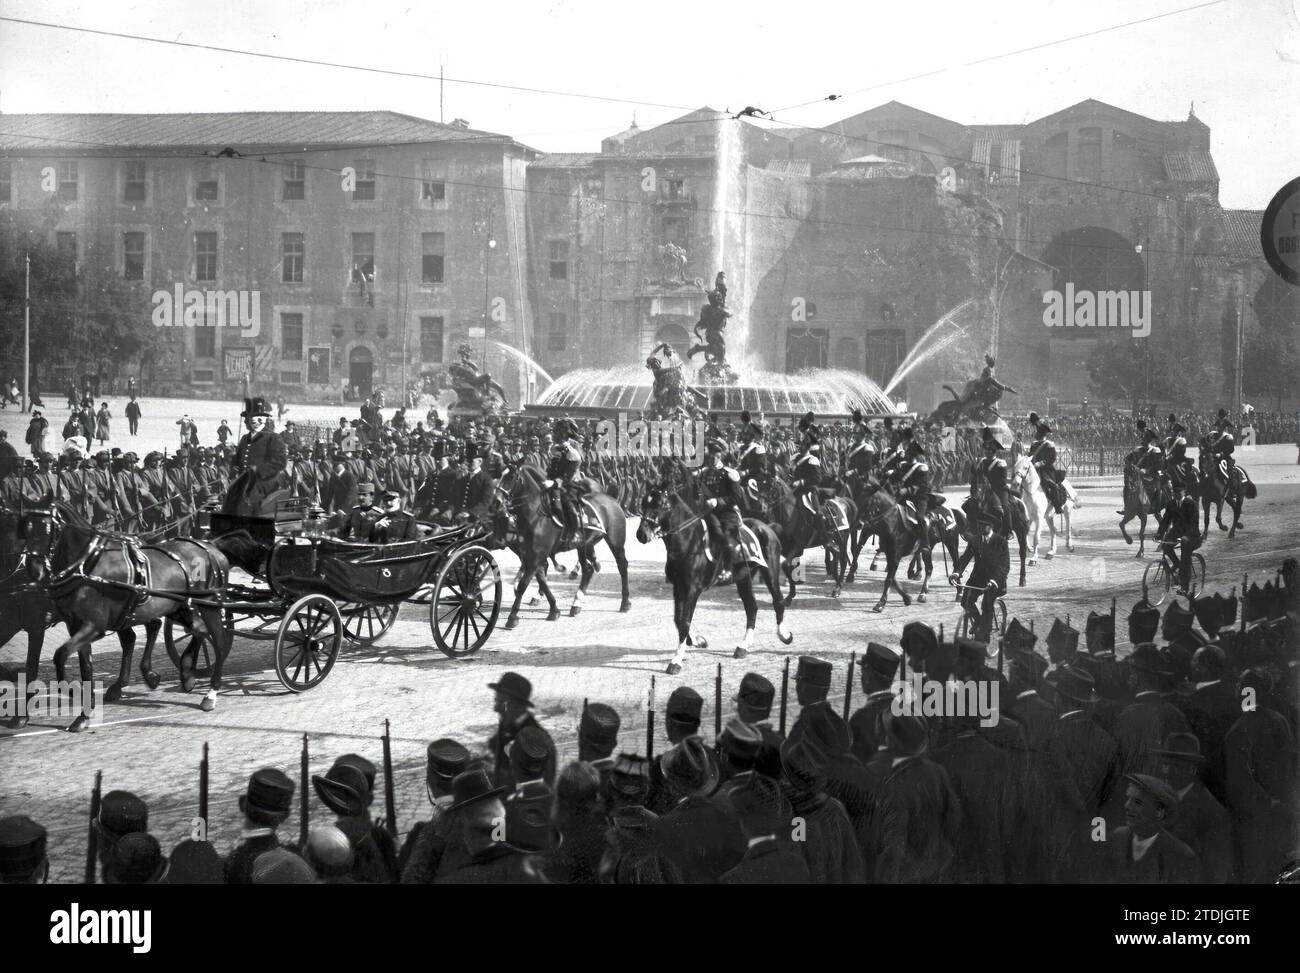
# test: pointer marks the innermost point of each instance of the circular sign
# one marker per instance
(1279, 233)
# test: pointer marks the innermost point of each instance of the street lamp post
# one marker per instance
(1142, 251)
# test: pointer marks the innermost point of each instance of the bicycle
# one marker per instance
(1160, 576)
(992, 620)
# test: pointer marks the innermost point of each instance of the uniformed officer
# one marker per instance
(991, 471)
(1178, 467)
(120, 813)
(914, 478)
(1042, 453)
(565, 482)
(860, 458)
(363, 516)
(807, 467)
(753, 463)
(721, 486)
(1221, 443)
(879, 669)
(394, 524)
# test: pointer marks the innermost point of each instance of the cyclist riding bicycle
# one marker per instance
(1182, 533)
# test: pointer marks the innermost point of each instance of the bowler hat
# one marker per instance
(362, 764)
(280, 866)
(740, 741)
(269, 795)
(1100, 632)
(688, 769)
(136, 859)
(1143, 622)
(194, 863)
(630, 776)
(515, 686)
(1075, 684)
(1182, 746)
(758, 801)
(22, 846)
(756, 692)
(882, 660)
(684, 705)
(813, 670)
(343, 790)
(1146, 657)
(471, 787)
(599, 725)
(446, 759)
(329, 851)
(1157, 788)
(918, 640)
(122, 813)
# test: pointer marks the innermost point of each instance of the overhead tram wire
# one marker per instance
(1005, 54)
(494, 187)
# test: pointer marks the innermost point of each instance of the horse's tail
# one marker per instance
(1248, 488)
(242, 550)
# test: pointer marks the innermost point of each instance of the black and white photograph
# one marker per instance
(578, 443)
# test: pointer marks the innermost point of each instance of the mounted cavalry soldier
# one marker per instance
(1178, 467)
(753, 463)
(260, 460)
(1042, 454)
(1221, 444)
(565, 483)
(806, 470)
(860, 457)
(724, 499)
(914, 478)
(990, 473)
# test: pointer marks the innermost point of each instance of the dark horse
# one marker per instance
(101, 582)
(799, 528)
(690, 570)
(1142, 499)
(521, 521)
(1216, 490)
(899, 538)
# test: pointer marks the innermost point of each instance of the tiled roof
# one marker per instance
(566, 160)
(998, 131)
(1241, 231)
(1191, 166)
(790, 167)
(70, 132)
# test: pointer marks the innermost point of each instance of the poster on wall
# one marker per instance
(239, 364)
(318, 366)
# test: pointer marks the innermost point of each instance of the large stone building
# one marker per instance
(375, 242)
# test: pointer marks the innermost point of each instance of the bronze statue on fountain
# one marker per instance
(671, 397)
(977, 403)
(713, 322)
(476, 392)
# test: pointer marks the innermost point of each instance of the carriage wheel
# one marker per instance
(367, 624)
(467, 600)
(202, 665)
(308, 642)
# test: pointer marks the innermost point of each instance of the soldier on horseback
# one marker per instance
(990, 474)
(1178, 467)
(914, 478)
(753, 463)
(1220, 444)
(806, 472)
(860, 457)
(1042, 453)
(720, 485)
(565, 483)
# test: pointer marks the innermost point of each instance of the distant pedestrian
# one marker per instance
(223, 432)
(9, 462)
(37, 433)
(102, 423)
(13, 393)
(133, 416)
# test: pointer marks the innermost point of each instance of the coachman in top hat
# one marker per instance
(261, 461)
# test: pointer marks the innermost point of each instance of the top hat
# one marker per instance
(1062, 641)
(599, 725)
(1181, 746)
(269, 795)
(1019, 637)
(22, 846)
(1157, 788)
(684, 705)
(471, 787)
(343, 790)
(756, 692)
(813, 670)
(1100, 632)
(122, 813)
(740, 741)
(515, 686)
(688, 769)
(256, 406)
(136, 859)
(1143, 622)
(918, 640)
(882, 660)
(1075, 684)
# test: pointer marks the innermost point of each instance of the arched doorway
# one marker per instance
(1095, 259)
(361, 369)
(676, 337)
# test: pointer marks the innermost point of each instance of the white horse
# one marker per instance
(1040, 509)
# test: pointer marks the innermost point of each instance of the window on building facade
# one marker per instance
(1089, 153)
(291, 336)
(673, 188)
(433, 190)
(363, 257)
(6, 182)
(133, 256)
(431, 340)
(66, 244)
(133, 188)
(365, 187)
(295, 181)
(433, 256)
(559, 256)
(293, 256)
(207, 187)
(68, 181)
(557, 335)
(205, 256)
(676, 230)
(205, 340)
(885, 350)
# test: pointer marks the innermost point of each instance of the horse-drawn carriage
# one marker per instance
(318, 590)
